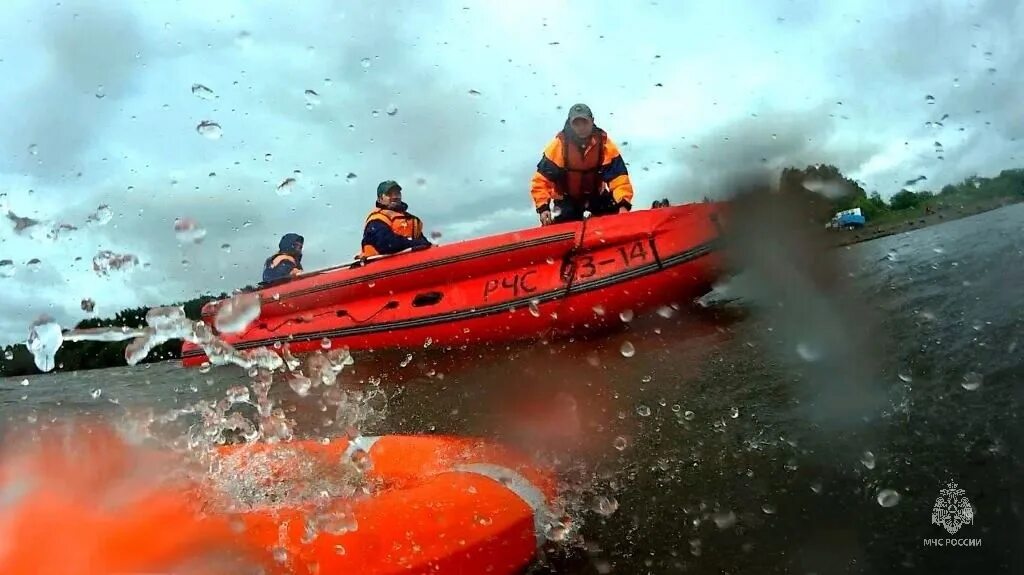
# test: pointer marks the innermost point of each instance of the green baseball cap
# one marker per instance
(386, 186)
(580, 111)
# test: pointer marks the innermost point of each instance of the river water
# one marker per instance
(806, 433)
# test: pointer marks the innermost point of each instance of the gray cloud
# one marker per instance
(84, 46)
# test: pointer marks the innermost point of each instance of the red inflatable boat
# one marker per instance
(538, 282)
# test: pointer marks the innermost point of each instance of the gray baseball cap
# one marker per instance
(386, 186)
(580, 111)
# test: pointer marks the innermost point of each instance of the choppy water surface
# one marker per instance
(810, 435)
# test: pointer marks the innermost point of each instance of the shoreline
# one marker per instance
(885, 229)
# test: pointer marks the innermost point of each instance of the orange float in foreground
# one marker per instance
(88, 504)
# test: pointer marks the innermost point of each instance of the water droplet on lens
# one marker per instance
(202, 91)
(33, 149)
(676, 408)
(768, 509)
(807, 352)
(971, 381)
(209, 130)
(626, 315)
(365, 62)
(627, 349)
(534, 309)
(205, 367)
(605, 506)
(888, 498)
(689, 415)
(286, 187)
(643, 411)
(24, 383)
(280, 554)
(96, 393)
(724, 520)
(100, 92)
(620, 443)
(427, 342)
(392, 110)
(312, 99)
(406, 361)
(325, 343)
(8, 355)
(905, 377)
(734, 412)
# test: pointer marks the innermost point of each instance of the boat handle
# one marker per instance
(427, 298)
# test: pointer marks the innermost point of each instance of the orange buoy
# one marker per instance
(89, 504)
(442, 505)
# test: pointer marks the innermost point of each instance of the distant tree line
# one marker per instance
(1008, 185)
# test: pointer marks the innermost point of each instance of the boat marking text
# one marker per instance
(517, 283)
(632, 255)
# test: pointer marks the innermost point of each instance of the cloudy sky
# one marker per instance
(455, 100)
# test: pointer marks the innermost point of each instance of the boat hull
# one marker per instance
(542, 282)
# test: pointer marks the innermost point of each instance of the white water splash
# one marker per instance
(237, 313)
(44, 339)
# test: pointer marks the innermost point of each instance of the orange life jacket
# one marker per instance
(582, 166)
(402, 223)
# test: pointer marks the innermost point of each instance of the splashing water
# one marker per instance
(44, 339)
(237, 313)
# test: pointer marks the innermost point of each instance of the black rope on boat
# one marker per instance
(570, 262)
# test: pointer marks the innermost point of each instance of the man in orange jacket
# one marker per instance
(580, 170)
(390, 228)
